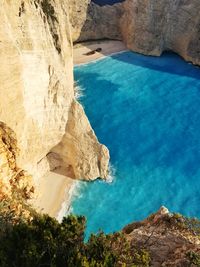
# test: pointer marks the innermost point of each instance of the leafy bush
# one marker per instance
(194, 258)
(184, 223)
(45, 242)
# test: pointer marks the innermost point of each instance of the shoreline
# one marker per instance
(100, 58)
(109, 48)
(54, 192)
(66, 204)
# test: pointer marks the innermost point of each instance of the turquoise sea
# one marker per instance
(146, 110)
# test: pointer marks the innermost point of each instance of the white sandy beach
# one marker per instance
(52, 191)
(108, 47)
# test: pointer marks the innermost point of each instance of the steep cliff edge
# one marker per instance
(92, 22)
(36, 89)
(151, 27)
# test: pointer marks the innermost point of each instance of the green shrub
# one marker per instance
(194, 258)
(46, 242)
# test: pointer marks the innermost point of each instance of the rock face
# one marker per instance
(36, 89)
(151, 27)
(79, 154)
(169, 239)
(148, 27)
(92, 22)
(12, 178)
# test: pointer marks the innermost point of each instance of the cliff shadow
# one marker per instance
(168, 62)
(100, 30)
(95, 110)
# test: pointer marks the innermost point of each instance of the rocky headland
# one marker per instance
(171, 239)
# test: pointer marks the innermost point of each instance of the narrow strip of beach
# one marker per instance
(108, 47)
(53, 194)
(54, 191)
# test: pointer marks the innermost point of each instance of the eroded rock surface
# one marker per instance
(79, 153)
(36, 76)
(92, 22)
(151, 27)
(169, 238)
(13, 180)
(36, 89)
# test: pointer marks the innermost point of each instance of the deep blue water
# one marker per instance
(147, 111)
(107, 2)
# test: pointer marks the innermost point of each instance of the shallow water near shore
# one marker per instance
(146, 110)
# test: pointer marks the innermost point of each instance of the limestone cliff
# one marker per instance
(148, 27)
(36, 90)
(151, 27)
(92, 22)
(85, 157)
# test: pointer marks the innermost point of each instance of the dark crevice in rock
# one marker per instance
(50, 16)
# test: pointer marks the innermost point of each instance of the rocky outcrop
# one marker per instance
(151, 27)
(79, 153)
(171, 239)
(13, 180)
(36, 89)
(92, 22)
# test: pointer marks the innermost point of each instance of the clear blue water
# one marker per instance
(146, 110)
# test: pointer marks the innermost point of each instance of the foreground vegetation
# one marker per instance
(43, 241)
(29, 239)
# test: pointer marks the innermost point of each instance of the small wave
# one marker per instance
(66, 205)
(111, 175)
(79, 91)
(75, 192)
